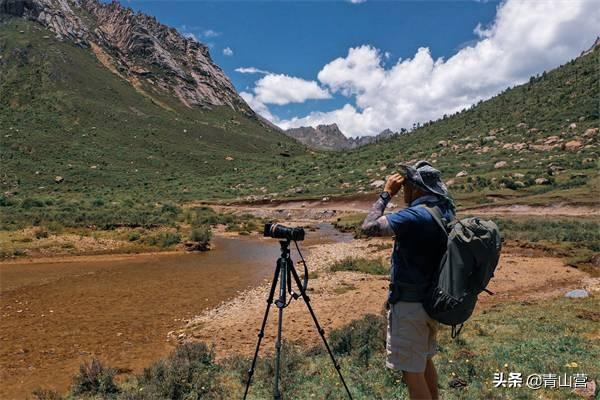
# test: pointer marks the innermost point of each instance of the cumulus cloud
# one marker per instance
(356, 1)
(251, 70)
(283, 89)
(227, 51)
(209, 33)
(525, 38)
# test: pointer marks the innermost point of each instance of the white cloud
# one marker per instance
(227, 52)
(209, 33)
(283, 89)
(251, 70)
(526, 37)
(356, 1)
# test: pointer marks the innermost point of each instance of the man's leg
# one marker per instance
(418, 388)
(432, 379)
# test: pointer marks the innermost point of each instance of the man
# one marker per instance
(418, 249)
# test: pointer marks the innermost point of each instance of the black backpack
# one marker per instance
(465, 270)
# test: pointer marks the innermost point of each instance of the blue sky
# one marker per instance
(298, 42)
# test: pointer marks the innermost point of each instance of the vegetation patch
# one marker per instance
(364, 265)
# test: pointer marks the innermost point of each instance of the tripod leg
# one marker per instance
(261, 334)
(319, 329)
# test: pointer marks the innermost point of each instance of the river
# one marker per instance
(119, 309)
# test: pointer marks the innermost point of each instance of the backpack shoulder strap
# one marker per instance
(437, 216)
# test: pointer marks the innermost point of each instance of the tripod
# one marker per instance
(284, 272)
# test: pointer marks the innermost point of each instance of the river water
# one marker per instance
(119, 309)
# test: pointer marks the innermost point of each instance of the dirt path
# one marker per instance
(329, 208)
(343, 296)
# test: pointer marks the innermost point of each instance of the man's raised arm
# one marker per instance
(375, 224)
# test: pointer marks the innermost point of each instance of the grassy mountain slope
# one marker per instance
(65, 114)
(516, 126)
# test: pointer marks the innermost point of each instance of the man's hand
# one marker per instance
(393, 184)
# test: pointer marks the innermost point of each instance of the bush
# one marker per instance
(94, 379)
(30, 203)
(361, 339)
(201, 234)
(189, 372)
(373, 267)
(163, 239)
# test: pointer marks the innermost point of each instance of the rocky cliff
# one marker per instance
(154, 58)
(329, 137)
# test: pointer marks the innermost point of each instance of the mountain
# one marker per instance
(329, 137)
(99, 101)
(154, 58)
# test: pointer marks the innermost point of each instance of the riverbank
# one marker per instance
(340, 297)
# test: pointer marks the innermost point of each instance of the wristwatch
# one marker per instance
(385, 196)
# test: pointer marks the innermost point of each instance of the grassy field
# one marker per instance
(561, 339)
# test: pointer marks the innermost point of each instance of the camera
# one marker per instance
(279, 231)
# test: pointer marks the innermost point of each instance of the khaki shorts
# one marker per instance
(410, 337)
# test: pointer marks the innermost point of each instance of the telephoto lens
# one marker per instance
(278, 231)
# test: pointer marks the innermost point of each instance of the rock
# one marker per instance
(588, 392)
(196, 246)
(299, 190)
(94, 167)
(577, 294)
(229, 158)
(590, 132)
(521, 125)
(462, 174)
(59, 179)
(500, 164)
(573, 145)
(382, 168)
(450, 182)
(520, 146)
(443, 143)
(573, 126)
(552, 139)
(541, 147)
(542, 181)
(489, 139)
(519, 184)
(325, 199)
(518, 175)
(508, 146)
(377, 184)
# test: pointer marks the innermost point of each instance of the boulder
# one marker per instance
(590, 132)
(518, 175)
(377, 184)
(521, 125)
(443, 143)
(542, 181)
(500, 164)
(573, 126)
(577, 294)
(196, 246)
(229, 158)
(573, 145)
(59, 179)
(462, 174)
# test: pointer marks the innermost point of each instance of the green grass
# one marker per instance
(553, 336)
(365, 265)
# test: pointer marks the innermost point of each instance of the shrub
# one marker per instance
(201, 234)
(163, 239)
(94, 379)
(360, 339)
(188, 373)
(41, 233)
(373, 267)
(134, 236)
(30, 203)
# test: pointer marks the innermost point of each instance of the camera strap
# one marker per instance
(305, 282)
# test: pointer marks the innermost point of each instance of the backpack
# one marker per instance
(465, 270)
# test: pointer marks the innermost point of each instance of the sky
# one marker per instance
(370, 65)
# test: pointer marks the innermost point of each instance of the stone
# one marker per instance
(196, 246)
(59, 179)
(573, 126)
(518, 175)
(500, 164)
(577, 294)
(542, 181)
(382, 168)
(229, 158)
(519, 184)
(521, 125)
(377, 184)
(590, 132)
(450, 182)
(462, 174)
(588, 392)
(443, 143)
(573, 145)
